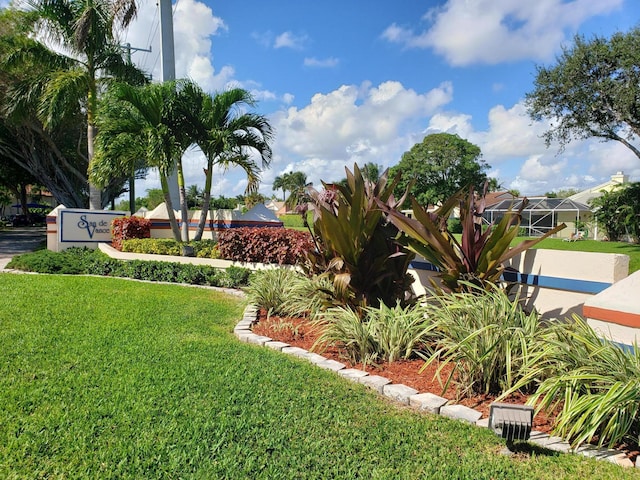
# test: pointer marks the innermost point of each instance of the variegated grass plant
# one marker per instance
(269, 289)
(596, 382)
(287, 292)
(485, 337)
(382, 334)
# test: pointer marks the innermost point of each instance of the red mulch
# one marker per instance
(297, 332)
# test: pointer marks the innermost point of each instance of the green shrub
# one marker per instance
(153, 246)
(71, 261)
(235, 277)
(167, 246)
(87, 261)
(454, 225)
(384, 334)
(596, 381)
(205, 248)
(486, 337)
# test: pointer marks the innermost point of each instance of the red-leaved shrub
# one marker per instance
(126, 228)
(264, 245)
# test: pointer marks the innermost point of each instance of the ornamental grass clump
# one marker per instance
(596, 382)
(383, 334)
(485, 337)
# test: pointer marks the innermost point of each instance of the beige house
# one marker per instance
(617, 180)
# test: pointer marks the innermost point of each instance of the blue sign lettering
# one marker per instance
(89, 226)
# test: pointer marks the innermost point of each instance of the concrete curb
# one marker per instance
(424, 402)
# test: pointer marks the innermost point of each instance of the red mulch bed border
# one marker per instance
(297, 332)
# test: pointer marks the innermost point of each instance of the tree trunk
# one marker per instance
(206, 201)
(95, 194)
(169, 205)
(184, 211)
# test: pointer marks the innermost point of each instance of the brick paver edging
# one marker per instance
(405, 395)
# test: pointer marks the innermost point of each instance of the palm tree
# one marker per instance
(85, 28)
(228, 137)
(193, 196)
(282, 181)
(144, 123)
(297, 186)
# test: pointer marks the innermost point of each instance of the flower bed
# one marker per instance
(298, 332)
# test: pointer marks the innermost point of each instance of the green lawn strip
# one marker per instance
(107, 378)
(294, 221)
(630, 249)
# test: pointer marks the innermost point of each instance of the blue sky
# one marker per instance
(364, 80)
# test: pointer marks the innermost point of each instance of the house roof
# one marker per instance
(589, 194)
(540, 204)
(491, 198)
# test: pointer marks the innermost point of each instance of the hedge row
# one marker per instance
(264, 245)
(167, 246)
(85, 261)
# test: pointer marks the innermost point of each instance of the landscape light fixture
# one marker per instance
(511, 421)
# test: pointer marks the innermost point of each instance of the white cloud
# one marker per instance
(194, 25)
(290, 40)
(330, 62)
(360, 124)
(494, 31)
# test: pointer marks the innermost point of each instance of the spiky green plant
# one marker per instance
(376, 334)
(271, 288)
(485, 337)
(596, 382)
(478, 258)
(287, 292)
(355, 244)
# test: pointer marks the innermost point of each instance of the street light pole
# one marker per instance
(167, 56)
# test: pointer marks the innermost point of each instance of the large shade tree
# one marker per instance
(593, 90)
(87, 30)
(52, 153)
(438, 167)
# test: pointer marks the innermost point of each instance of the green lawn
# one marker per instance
(632, 250)
(108, 378)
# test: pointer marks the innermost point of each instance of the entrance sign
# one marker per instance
(82, 228)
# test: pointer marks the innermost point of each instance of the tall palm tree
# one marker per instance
(85, 29)
(229, 136)
(297, 184)
(282, 181)
(144, 123)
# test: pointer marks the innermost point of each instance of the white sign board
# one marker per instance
(86, 226)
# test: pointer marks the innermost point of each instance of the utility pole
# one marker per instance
(168, 60)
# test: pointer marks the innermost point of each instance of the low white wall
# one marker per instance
(556, 283)
(615, 313)
(212, 262)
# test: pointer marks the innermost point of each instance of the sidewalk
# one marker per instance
(14, 241)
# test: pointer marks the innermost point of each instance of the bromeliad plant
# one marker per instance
(478, 258)
(354, 242)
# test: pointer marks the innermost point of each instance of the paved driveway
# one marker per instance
(14, 241)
